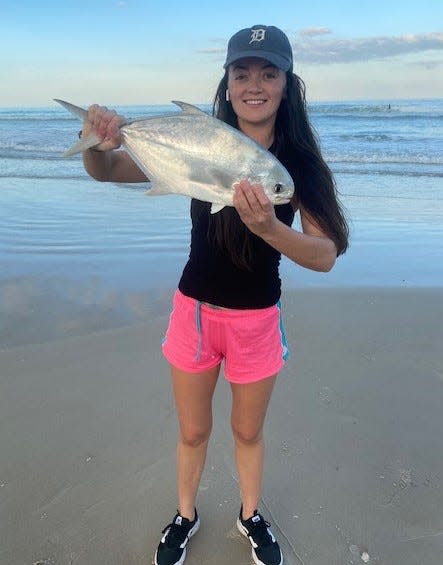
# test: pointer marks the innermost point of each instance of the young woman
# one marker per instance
(226, 308)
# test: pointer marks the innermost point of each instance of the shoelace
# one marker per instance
(259, 533)
(176, 535)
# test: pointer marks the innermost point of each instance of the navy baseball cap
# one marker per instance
(264, 42)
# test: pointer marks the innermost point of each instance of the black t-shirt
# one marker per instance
(211, 276)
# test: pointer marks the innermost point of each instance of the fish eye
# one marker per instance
(278, 188)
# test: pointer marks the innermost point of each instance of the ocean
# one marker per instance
(78, 252)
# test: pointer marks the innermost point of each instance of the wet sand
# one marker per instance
(354, 441)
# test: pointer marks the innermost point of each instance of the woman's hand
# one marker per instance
(311, 248)
(102, 163)
(254, 207)
(106, 124)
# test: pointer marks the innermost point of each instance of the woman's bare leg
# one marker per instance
(249, 404)
(193, 399)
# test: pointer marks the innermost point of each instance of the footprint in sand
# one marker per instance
(396, 479)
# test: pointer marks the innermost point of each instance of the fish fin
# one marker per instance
(216, 207)
(157, 189)
(80, 113)
(188, 108)
(212, 175)
(82, 144)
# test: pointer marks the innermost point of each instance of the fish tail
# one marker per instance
(76, 111)
(82, 144)
(85, 142)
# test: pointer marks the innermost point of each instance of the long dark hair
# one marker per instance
(297, 147)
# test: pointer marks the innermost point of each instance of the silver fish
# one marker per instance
(192, 153)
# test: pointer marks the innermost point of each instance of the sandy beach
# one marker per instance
(87, 428)
(354, 466)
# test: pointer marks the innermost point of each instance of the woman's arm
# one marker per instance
(311, 248)
(102, 162)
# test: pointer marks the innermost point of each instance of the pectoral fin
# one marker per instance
(211, 176)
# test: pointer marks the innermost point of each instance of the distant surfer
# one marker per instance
(226, 308)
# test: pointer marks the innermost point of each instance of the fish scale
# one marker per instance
(197, 155)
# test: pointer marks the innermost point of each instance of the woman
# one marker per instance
(226, 307)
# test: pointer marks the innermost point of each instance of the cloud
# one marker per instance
(310, 46)
(213, 50)
(314, 31)
(428, 64)
(314, 50)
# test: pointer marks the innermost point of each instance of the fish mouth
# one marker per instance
(281, 200)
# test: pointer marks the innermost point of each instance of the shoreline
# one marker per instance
(353, 440)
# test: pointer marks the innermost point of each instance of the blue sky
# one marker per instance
(145, 52)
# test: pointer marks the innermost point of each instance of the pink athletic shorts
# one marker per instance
(252, 343)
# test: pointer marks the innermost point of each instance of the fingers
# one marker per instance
(251, 197)
(106, 124)
(254, 207)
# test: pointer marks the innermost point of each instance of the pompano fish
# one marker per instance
(194, 154)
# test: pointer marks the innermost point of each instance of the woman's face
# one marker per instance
(256, 89)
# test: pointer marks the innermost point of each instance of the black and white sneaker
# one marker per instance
(172, 547)
(265, 549)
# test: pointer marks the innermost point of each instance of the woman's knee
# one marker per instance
(247, 435)
(194, 436)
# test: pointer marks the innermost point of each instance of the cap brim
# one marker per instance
(280, 62)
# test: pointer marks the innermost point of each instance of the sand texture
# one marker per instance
(354, 463)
